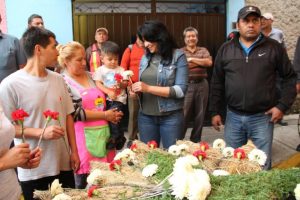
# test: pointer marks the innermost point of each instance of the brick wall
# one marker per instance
(287, 18)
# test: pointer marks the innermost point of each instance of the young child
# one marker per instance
(109, 79)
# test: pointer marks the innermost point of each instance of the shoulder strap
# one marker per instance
(73, 83)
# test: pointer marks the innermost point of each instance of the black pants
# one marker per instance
(66, 178)
(117, 139)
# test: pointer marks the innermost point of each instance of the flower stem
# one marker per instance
(45, 126)
(64, 139)
(22, 133)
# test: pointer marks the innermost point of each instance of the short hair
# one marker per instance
(36, 36)
(156, 31)
(67, 52)
(33, 16)
(190, 28)
(110, 47)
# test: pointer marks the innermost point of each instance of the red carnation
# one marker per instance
(91, 190)
(19, 115)
(204, 146)
(201, 155)
(118, 77)
(152, 144)
(239, 153)
(115, 165)
(133, 147)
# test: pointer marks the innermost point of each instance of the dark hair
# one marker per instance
(33, 16)
(36, 36)
(156, 31)
(110, 47)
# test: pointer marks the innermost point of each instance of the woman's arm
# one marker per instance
(75, 162)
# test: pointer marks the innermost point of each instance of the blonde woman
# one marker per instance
(91, 119)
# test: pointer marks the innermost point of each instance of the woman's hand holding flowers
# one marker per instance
(113, 115)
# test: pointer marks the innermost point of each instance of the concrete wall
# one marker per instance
(57, 15)
(287, 18)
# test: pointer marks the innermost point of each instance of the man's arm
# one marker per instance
(203, 62)
(289, 77)
(297, 64)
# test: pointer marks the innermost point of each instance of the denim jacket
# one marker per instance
(173, 74)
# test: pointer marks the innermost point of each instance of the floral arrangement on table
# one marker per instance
(146, 171)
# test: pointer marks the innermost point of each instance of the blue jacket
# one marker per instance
(173, 74)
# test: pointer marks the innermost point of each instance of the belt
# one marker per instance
(196, 81)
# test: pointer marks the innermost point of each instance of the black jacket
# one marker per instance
(248, 83)
(297, 60)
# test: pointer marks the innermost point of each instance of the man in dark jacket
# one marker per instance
(297, 69)
(245, 76)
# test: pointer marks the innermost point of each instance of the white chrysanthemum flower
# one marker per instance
(228, 152)
(219, 144)
(126, 74)
(199, 185)
(185, 164)
(150, 170)
(56, 188)
(258, 156)
(62, 196)
(125, 155)
(219, 172)
(183, 149)
(94, 176)
(174, 150)
(297, 191)
(179, 185)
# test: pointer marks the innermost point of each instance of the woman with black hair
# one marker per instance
(163, 83)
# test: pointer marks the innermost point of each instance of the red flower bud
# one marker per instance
(115, 165)
(133, 147)
(204, 146)
(152, 144)
(201, 155)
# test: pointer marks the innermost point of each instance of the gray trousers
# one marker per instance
(195, 103)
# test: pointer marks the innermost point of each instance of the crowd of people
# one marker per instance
(167, 90)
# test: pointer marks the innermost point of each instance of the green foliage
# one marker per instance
(274, 184)
(165, 164)
(265, 185)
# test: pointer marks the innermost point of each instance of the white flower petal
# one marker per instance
(92, 178)
(219, 144)
(56, 188)
(258, 156)
(297, 191)
(174, 150)
(149, 170)
(228, 152)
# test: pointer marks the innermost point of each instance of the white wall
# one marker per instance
(57, 15)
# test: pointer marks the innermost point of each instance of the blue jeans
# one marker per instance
(165, 128)
(257, 127)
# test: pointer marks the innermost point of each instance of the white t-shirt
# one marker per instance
(107, 77)
(9, 186)
(35, 95)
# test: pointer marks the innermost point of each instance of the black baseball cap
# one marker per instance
(245, 11)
